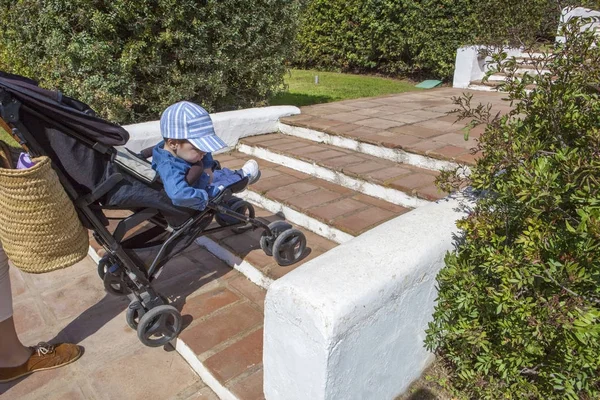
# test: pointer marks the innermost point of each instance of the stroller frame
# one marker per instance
(123, 273)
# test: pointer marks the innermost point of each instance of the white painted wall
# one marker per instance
(578, 12)
(350, 324)
(229, 126)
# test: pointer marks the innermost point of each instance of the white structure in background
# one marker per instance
(471, 65)
(580, 12)
(350, 324)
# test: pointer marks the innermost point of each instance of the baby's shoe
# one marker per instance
(251, 170)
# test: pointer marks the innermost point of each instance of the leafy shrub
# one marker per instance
(518, 313)
(131, 58)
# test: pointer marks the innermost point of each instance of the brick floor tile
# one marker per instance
(324, 155)
(346, 117)
(27, 317)
(359, 222)
(288, 145)
(130, 380)
(385, 174)
(204, 394)
(38, 385)
(410, 182)
(362, 132)
(425, 146)
(251, 291)
(468, 158)
(378, 123)
(264, 185)
(373, 112)
(292, 190)
(314, 198)
(431, 192)
(366, 167)
(394, 140)
(293, 172)
(261, 138)
(268, 173)
(104, 333)
(87, 289)
(405, 118)
(361, 104)
(206, 303)
(334, 188)
(330, 211)
(221, 327)
(363, 198)
(298, 117)
(417, 131)
(424, 113)
(457, 139)
(306, 150)
(322, 123)
(58, 278)
(250, 388)
(342, 129)
(449, 152)
(442, 126)
(237, 358)
(344, 160)
(260, 260)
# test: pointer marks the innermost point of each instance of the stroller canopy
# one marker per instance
(70, 113)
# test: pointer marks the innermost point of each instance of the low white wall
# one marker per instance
(578, 12)
(471, 66)
(229, 126)
(350, 324)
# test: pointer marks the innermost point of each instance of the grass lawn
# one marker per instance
(333, 86)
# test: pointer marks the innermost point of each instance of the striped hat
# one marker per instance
(189, 121)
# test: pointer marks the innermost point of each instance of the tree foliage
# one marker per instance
(131, 58)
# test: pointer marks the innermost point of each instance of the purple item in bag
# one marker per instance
(24, 161)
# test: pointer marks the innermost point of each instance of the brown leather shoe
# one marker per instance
(43, 356)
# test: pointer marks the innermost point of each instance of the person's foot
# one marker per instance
(44, 356)
(251, 171)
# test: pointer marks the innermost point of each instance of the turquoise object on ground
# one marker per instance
(429, 84)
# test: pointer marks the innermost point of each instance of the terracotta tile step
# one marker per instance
(335, 205)
(415, 122)
(223, 317)
(247, 246)
(412, 180)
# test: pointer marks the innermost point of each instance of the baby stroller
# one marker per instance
(98, 176)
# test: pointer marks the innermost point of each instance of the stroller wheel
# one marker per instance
(134, 314)
(289, 247)
(159, 326)
(276, 228)
(103, 265)
(115, 284)
(225, 220)
(245, 208)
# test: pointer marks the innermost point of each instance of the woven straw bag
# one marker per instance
(39, 228)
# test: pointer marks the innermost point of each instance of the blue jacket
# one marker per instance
(172, 172)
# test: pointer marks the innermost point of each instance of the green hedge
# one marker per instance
(131, 58)
(399, 37)
(392, 37)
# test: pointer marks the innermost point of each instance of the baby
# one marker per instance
(189, 138)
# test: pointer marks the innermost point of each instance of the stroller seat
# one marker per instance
(100, 174)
